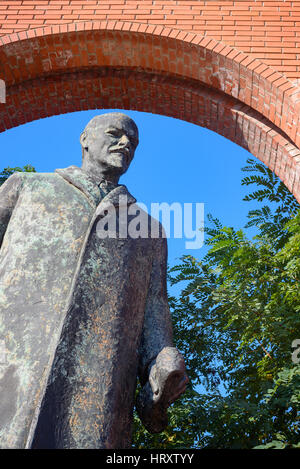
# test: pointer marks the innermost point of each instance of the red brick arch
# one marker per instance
(114, 64)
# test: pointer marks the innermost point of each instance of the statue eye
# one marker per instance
(114, 133)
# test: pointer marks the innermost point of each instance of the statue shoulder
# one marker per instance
(29, 177)
(12, 184)
(21, 180)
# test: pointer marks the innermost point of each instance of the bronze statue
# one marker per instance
(82, 315)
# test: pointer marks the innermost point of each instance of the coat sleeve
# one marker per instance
(9, 192)
(157, 329)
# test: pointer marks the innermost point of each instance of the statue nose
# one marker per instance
(124, 141)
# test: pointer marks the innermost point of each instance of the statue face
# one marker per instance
(111, 143)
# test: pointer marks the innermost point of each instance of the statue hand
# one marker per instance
(168, 378)
(167, 381)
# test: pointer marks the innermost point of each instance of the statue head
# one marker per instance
(108, 145)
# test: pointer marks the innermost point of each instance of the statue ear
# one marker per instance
(83, 139)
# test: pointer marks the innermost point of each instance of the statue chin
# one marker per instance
(118, 160)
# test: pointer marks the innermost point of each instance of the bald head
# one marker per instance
(108, 145)
(112, 118)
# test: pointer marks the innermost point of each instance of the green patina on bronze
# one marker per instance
(81, 316)
(39, 254)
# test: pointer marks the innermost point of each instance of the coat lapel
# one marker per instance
(119, 196)
(80, 179)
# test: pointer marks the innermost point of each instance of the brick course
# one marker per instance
(231, 66)
(268, 29)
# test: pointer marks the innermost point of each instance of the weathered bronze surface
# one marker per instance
(82, 317)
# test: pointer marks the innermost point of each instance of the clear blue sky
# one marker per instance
(175, 162)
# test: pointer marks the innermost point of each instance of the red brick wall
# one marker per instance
(227, 65)
(268, 30)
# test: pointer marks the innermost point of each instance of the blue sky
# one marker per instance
(175, 162)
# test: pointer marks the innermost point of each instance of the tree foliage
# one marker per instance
(9, 171)
(234, 321)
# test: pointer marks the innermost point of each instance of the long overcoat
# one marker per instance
(80, 316)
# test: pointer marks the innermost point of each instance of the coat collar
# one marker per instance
(80, 179)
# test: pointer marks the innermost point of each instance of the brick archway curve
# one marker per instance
(86, 65)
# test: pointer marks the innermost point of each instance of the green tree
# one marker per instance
(9, 171)
(235, 321)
